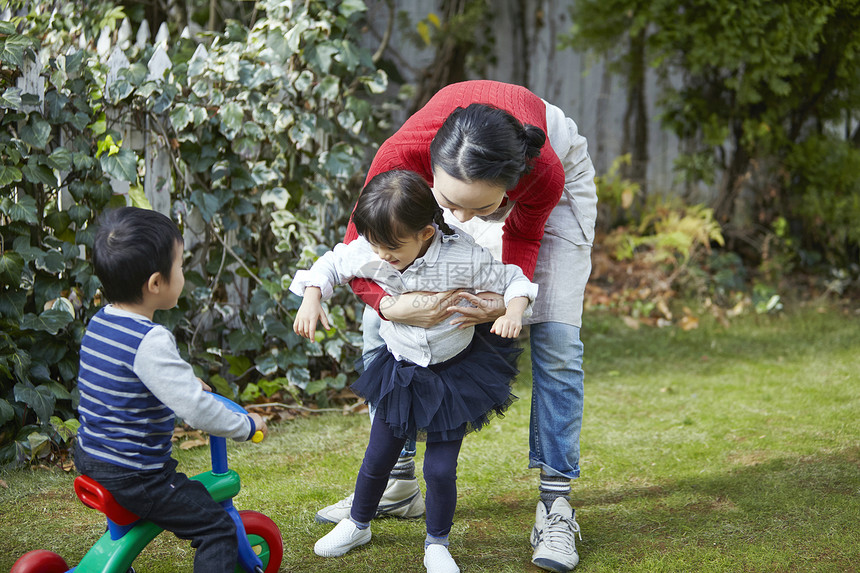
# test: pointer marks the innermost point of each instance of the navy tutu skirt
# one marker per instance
(445, 401)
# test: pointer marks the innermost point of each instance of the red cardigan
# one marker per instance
(534, 197)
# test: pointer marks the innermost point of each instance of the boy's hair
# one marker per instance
(395, 205)
(131, 245)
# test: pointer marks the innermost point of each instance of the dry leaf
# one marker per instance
(689, 322)
(3, 484)
(188, 444)
(664, 309)
(631, 322)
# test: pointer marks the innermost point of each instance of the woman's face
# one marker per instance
(466, 200)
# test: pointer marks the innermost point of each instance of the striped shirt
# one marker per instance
(133, 384)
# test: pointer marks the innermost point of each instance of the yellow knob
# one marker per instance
(258, 437)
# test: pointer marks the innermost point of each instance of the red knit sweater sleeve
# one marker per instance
(535, 198)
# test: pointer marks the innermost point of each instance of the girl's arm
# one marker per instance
(510, 324)
(310, 312)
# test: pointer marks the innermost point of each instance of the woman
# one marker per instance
(498, 152)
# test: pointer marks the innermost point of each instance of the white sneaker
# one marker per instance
(402, 498)
(552, 537)
(437, 559)
(345, 536)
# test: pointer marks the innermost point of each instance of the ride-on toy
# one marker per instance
(261, 548)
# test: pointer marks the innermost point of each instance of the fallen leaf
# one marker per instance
(689, 322)
(188, 444)
(631, 322)
(3, 484)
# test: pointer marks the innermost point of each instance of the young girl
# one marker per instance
(437, 383)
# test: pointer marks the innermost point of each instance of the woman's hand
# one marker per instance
(488, 307)
(419, 308)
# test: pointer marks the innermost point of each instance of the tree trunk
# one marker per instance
(635, 130)
(449, 65)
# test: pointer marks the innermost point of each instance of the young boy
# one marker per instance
(133, 383)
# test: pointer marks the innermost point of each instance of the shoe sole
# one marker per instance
(551, 565)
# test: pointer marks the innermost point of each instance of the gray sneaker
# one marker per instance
(402, 498)
(553, 537)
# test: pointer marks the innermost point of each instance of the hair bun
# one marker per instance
(534, 138)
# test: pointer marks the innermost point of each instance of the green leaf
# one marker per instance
(221, 386)
(315, 387)
(11, 268)
(350, 7)
(320, 56)
(66, 429)
(121, 165)
(59, 221)
(334, 348)
(52, 262)
(12, 303)
(244, 340)
(9, 174)
(238, 364)
(24, 209)
(60, 158)
(12, 50)
(58, 390)
(139, 198)
(277, 196)
(79, 213)
(38, 444)
(232, 117)
(36, 131)
(180, 116)
(40, 174)
(50, 321)
(11, 98)
(299, 376)
(40, 399)
(6, 412)
(329, 88)
(377, 83)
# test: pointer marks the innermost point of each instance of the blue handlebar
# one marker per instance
(229, 403)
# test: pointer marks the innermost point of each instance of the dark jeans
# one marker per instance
(175, 503)
(440, 475)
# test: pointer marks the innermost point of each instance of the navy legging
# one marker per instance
(440, 475)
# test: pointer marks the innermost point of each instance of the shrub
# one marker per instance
(265, 133)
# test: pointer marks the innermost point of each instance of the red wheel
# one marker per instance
(40, 561)
(265, 539)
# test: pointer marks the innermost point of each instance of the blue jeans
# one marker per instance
(557, 398)
(557, 394)
(175, 503)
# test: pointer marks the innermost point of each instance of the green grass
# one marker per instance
(713, 450)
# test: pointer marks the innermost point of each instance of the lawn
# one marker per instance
(711, 450)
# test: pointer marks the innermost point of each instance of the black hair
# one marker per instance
(484, 143)
(395, 205)
(131, 245)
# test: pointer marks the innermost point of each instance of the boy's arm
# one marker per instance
(172, 380)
